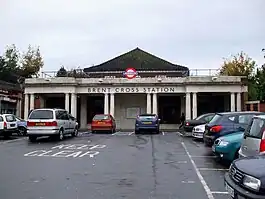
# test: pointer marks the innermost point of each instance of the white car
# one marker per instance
(8, 125)
(197, 131)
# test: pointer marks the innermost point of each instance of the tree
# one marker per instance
(61, 72)
(260, 80)
(241, 65)
(31, 62)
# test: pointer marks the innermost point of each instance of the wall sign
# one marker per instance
(130, 73)
(132, 90)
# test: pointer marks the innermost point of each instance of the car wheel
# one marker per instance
(75, 133)
(136, 131)
(60, 135)
(32, 138)
(22, 130)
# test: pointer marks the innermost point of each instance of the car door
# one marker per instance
(11, 121)
(60, 119)
(1, 123)
(72, 122)
(66, 122)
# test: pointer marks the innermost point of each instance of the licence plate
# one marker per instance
(40, 124)
(12, 125)
(147, 122)
(230, 190)
(213, 148)
(101, 122)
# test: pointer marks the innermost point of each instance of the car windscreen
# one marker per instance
(10, 118)
(101, 117)
(201, 117)
(41, 114)
(215, 119)
(256, 129)
(147, 117)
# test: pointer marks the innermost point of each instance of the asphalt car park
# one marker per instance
(118, 165)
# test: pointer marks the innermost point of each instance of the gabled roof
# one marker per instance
(138, 59)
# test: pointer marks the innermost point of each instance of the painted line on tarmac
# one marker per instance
(163, 133)
(204, 184)
(219, 192)
(180, 134)
(131, 133)
(10, 141)
(203, 156)
(212, 169)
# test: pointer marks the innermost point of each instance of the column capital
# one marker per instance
(187, 93)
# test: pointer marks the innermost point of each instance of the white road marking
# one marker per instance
(188, 182)
(131, 133)
(212, 169)
(203, 156)
(179, 133)
(163, 133)
(204, 184)
(219, 192)
(9, 141)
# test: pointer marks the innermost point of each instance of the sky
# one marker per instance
(81, 33)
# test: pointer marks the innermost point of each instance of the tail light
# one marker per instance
(5, 125)
(187, 123)
(53, 123)
(216, 129)
(30, 123)
(262, 143)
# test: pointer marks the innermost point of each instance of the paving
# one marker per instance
(120, 165)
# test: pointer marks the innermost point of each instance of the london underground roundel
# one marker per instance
(130, 73)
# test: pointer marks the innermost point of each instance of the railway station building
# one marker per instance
(133, 83)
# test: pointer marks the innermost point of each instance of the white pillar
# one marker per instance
(232, 97)
(67, 102)
(83, 112)
(32, 101)
(155, 103)
(188, 107)
(18, 111)
(112, 104)
(73, 104)
(26, 106)
(106, 103)
(194, 105)
(148, 103)
(238, 98)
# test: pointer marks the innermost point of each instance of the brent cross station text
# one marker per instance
(132, 90)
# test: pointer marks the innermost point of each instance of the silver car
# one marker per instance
(253, 142)
(51, 122)
(197, 131)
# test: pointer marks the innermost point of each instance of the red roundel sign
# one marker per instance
(130, 73)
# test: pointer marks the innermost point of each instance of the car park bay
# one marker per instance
(118, 165)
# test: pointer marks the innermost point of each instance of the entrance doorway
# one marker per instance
(95, 105)
(169, 109)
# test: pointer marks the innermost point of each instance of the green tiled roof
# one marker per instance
(138, 59)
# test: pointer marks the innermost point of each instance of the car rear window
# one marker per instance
(41, 114)
(215, 119)
(101, 117)
(1, 119)
(147, 117)
(10, 118)
(256, 129)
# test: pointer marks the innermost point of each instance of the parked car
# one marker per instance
(103, 122)
(50, 122)
(21, 126)
(8, 125)
(254, 138)
(226, 147)
(227, 123)
(246, 178)
(147, 122)
(202, 119)
(198, 131)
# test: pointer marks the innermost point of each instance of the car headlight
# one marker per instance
(251, 182)
(223, 143)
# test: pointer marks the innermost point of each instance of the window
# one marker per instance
(215, 119)
(1, 119)
(101, 117)
(208, 118)
(10, 118)
(232, 118)
(244, 119)
(146, 117)
(255, 107)
(41, 114)
(248, 107)
(62, 115)
(256, 128)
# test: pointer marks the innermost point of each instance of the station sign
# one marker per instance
(132, 89)
(130, 73)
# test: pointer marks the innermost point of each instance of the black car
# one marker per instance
(202, 119)
(226, 123)
(246, 178)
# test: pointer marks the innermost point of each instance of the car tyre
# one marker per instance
(60, 136)
(22, 130)
(32, 138)
(75, 133)
(137, 132)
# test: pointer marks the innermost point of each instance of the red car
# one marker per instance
(103, 122)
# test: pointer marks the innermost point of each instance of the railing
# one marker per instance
(80, 73)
